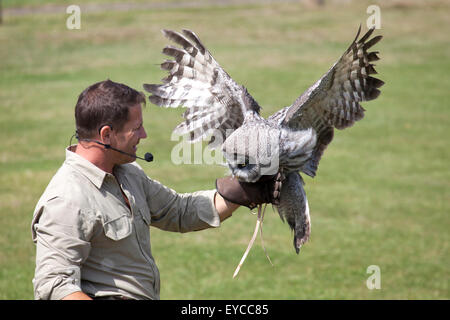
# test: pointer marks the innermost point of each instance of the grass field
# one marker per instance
(382, 194)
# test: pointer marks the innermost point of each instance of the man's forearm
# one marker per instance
(224, 207)
(79, 295)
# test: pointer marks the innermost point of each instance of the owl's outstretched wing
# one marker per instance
(333, 101)
(215, 102)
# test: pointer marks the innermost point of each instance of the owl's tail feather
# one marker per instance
(294, 209)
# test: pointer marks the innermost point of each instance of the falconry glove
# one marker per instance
(265, 190)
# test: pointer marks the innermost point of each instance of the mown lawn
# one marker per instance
(382, 194)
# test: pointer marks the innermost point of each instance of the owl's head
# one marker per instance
(252, 151)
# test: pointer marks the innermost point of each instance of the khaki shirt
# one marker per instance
(87, 239)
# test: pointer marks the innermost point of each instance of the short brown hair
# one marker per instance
(104, 103)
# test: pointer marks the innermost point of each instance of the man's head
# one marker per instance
(104, 103)
(111, 112)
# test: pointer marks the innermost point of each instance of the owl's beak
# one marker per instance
(232, 170)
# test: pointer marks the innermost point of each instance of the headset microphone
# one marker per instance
(147, 157)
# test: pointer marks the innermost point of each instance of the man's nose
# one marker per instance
(143, 134)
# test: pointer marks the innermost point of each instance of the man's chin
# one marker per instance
(127, 158)
(131, 158)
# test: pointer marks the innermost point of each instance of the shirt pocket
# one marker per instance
(118, 228)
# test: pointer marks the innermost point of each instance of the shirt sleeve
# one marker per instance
(181, 212)
(61, 233)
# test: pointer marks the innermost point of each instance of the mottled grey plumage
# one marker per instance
(294, 207)
(290, 141)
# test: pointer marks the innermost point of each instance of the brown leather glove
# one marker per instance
(265, 190)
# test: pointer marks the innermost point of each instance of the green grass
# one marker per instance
(382, 194)
(39, 3)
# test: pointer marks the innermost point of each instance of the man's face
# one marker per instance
(128, 138)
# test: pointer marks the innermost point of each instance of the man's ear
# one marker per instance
(105, 134)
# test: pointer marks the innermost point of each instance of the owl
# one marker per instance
(289, 142)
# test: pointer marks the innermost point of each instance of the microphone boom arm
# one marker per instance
(147, 157)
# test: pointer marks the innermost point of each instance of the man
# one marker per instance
(91, 225)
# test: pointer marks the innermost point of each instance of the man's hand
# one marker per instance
(265, 190)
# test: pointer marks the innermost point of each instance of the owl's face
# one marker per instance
(251, 151)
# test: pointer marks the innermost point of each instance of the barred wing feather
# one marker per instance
(214, 101)
(333, 101)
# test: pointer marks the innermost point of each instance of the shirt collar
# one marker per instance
(85, 167)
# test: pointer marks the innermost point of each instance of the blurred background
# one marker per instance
(382, 194)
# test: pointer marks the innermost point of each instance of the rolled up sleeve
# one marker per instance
(181, 212)
(61, 233)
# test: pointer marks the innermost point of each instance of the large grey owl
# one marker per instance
(290, 141)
